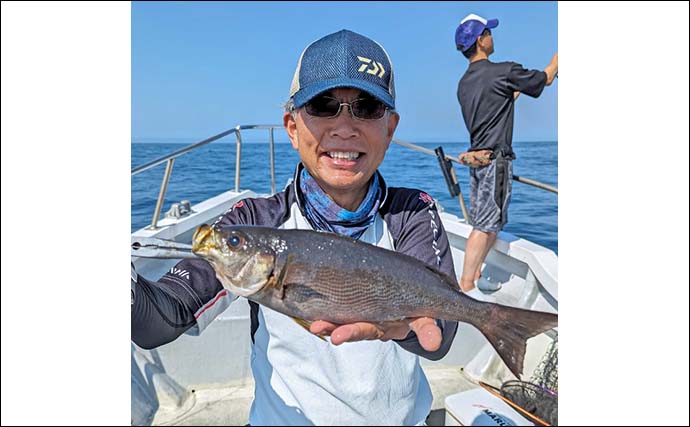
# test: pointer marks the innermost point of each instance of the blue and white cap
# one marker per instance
(343, 59)
(470, 28)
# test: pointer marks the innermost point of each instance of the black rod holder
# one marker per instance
(447, 169)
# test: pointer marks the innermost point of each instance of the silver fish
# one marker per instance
(311, 275)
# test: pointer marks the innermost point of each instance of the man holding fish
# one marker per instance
(341, 119)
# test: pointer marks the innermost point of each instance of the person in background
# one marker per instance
(341, 118)
(487, 93)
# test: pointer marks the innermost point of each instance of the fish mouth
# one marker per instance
(200, 239)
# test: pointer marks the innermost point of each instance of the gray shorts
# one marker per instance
(490, 189)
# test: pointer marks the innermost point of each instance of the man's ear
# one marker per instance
(393, 120)
(290, 124)
(481, 43)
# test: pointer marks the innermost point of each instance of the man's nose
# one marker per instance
(344, 123)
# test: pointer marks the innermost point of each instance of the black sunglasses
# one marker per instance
(329, 107)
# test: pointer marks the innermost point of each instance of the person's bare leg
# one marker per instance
(487, 248)
(477, 247)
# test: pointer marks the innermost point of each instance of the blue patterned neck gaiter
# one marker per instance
(325, 214)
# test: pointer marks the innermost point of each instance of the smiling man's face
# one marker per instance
(341, 153)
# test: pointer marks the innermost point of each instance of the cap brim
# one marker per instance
(307, 93)
(491, 23)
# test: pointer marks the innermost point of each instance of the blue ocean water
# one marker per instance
(196, 176)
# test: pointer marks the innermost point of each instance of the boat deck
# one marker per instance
(230, 404)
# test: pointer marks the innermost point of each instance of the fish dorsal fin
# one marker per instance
(306, 324)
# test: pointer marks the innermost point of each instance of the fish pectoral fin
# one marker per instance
(306, 324)
(278, 275)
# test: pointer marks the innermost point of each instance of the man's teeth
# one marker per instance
(343, 155)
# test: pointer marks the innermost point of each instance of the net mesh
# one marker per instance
(535, 399)
(539, 396)
(546, 374)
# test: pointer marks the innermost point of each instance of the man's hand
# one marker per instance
(428, 333)
(551, 70)
(475, 159)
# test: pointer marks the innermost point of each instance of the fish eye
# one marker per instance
(235, 241)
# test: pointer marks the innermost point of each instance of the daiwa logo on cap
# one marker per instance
(374, 70)
(343, 59)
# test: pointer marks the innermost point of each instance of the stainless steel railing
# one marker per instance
(169, 160)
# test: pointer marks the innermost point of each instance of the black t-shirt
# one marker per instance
(485, 93)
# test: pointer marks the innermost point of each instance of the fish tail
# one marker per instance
(509, 330)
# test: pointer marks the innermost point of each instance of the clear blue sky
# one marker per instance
(200, 68)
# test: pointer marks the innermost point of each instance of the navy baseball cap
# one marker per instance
(343, 59)
(470, 28)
